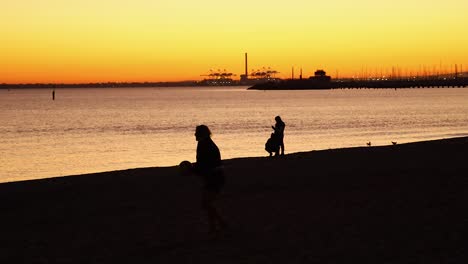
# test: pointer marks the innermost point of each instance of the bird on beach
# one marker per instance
(368, 144)
(394, 142)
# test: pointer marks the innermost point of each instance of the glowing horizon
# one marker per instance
(118, 41)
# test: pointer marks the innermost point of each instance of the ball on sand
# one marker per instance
(185, 168)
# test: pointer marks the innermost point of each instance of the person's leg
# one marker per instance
(282, 146)
(207, 206)
(219, 220)
(211, 213)
(215, 220)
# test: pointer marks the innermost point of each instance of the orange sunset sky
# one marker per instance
(65, 41)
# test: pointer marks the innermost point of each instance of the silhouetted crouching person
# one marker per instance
(209, 168)
(272, 146)
(279, 133)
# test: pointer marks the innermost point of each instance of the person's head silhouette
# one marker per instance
(278, 118)
(202, 132)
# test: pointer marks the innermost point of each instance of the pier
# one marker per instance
(401, 83)
(313, 84)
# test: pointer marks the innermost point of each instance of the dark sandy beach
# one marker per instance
(406, 203)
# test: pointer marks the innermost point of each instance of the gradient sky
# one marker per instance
(168, 40)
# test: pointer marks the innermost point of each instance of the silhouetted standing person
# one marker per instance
(209, 168)
(279, 133)
(53, 94)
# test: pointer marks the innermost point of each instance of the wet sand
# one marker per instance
(395, 204)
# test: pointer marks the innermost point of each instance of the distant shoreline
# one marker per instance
(295, 84)
(99, 85)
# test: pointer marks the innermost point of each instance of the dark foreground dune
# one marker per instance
(398, 204)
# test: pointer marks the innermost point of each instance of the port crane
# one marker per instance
(219, 75)
(264, 73)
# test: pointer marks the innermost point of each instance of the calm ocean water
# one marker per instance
(93, 130)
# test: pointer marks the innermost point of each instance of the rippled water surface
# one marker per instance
(92, 130)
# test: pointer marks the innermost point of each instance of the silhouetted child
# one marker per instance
(272, 144)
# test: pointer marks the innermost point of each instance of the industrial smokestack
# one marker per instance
(246, 70)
